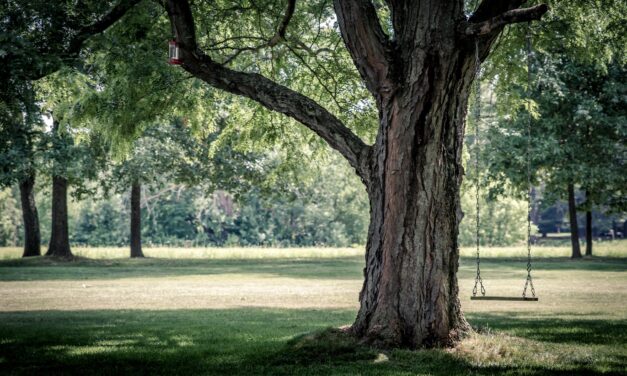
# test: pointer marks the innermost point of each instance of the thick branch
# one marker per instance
(99, 26)
(265, 91)
(280, 33)
(76, 42)
(511, 16)
(492, 8)
(367, 43)
(276, 39)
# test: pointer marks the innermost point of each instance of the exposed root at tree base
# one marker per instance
(331, 345)
(379, 340)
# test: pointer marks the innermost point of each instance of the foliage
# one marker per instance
(503, 220)
(300, 213)
(10, 219)
(576, 104)
(131, 85)
(37, 38)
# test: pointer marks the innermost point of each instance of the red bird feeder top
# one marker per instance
(173, 53)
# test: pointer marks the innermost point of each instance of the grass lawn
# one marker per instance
(248, 311)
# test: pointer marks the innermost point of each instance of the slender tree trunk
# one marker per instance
(574, 227)
(32, 238)
(59, 236)
(589, 233)
(588, 226)
(136, 221)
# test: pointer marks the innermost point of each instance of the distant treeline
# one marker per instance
(329, 208)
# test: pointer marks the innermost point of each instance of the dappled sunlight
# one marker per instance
(497, 349)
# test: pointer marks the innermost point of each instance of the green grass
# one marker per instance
(254, 314)
(616, 248)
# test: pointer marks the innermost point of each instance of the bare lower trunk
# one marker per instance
(32, 238)
(574, 227)
(588, 233)
(410, 294)
(136, 221)
(588, 226)
(59, 237)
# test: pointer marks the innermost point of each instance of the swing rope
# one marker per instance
(529, 280)
(477, 119)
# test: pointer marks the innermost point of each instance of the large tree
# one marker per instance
(419, 69)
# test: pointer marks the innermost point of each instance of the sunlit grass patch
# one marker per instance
(231, 253)
(616, 248)
(490, 348)
(497, 350)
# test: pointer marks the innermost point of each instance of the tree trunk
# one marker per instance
(32, 238)
(588, 226)
(59, 237)
(410, 293)
(588, 233)
(136, 221)
(574, 227)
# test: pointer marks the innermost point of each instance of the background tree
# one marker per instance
(147, 111)
(37, 38)
(577, 133)
(162, 156)
(72, 156)
(20, 141)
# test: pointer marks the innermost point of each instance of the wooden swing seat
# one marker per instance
(506, 298)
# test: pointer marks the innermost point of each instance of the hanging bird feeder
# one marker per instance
(173, 50)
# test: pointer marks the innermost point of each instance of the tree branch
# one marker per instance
(367, 44)
(276, 39)
(511, 16)
(268, 93)
(75, 43)
(492, 8)
(280, 33)
(99, 26)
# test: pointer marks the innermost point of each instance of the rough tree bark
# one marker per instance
(574, 227)
(588, 227)
(32, 237)
(136, 221)
(59, 233)
(59, 237)
(420, 81)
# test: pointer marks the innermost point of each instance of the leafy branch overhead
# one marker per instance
(372, 50)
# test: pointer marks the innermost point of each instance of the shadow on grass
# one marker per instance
(547, 328)
(45, 268)
(608, 264)
(243, 342)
